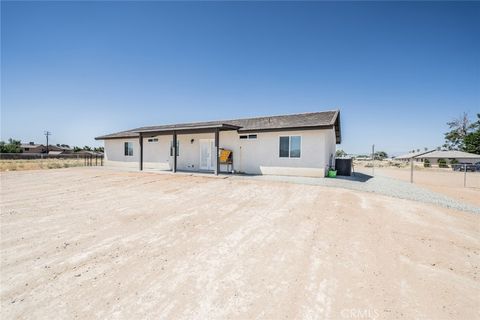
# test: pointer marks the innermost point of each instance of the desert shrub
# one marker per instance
(442, 163)
(426, 163)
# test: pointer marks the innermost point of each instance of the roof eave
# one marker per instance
(115, 137)
(190, 128)
(338, 129)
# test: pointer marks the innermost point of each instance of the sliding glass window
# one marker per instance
(290, 147)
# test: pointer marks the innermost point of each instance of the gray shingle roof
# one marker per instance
(281, 122)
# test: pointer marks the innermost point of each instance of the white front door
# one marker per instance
(207, 152)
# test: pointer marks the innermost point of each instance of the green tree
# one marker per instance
(13, 146)
(340, 153)
(442, 163)
(453, 161)
(459, 128)
(380, 155)
(87, 148)
(471, 142)
(426, 163)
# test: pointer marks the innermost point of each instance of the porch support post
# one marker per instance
(217, 152)
(141, 151)
(174, 151)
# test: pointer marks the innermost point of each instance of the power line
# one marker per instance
(47, 133)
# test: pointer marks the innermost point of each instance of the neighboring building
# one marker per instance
(33, 148)
(298, 144)
(40, 148)
(449, 155)
(58, 149)
(413, 155)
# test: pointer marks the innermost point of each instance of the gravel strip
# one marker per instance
(379, 184)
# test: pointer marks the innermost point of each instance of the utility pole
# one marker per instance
(47, 133)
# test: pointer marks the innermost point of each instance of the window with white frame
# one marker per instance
(248, 136)
(128, 148)
(290, 146)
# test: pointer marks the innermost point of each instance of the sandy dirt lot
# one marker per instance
(445, 181)
(94, 243)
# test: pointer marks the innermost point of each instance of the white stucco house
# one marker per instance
(297, 144)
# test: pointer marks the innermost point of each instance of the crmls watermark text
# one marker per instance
(359, 313)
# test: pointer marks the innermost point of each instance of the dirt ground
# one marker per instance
(445, 181)
(95, 243)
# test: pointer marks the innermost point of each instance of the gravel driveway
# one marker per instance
(378, 184)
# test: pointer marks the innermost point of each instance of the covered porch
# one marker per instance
(209, 154)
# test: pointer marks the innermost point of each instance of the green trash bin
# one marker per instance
(332, 173)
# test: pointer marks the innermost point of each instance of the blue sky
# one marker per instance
(398, 71)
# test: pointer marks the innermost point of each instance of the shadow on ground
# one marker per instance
(356, 176)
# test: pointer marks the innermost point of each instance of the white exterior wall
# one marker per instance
(114, 153)
(261, 155)
(156, 155)
(331, 147)
(252, 156)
